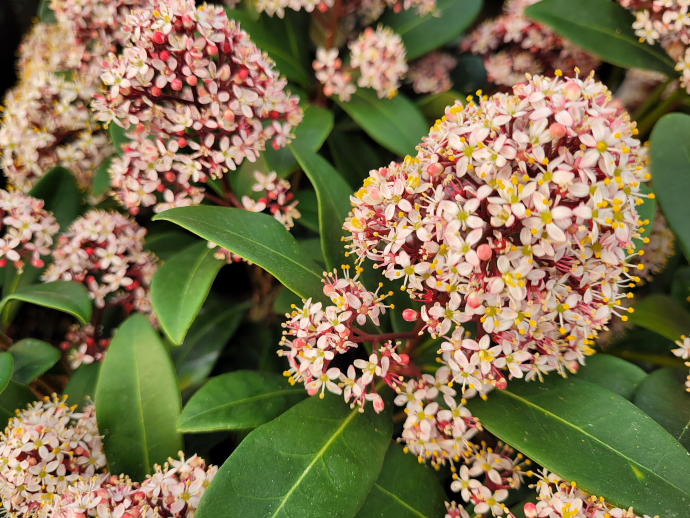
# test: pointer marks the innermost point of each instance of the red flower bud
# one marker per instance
(158, 37)
(410, 315)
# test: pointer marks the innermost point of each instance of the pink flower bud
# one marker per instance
(156, 92)
(530, 510)
(176, 85)
(182, 142)
(410, 315)
(158, 37)
(474, 300)
(404, 359)
(187, 21)
(192, 80)
(165, 55)
(212, 50)
(229, 116)
(484, 252)
(225, 73)
(572, 91)
(557, 130)
(434, 169)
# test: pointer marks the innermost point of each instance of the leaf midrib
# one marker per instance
(140, 407)
(399, 500)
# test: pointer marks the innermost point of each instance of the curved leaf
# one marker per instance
(58, 189)
(166, 244)
(422, 34)
(15, 397)
(321, 459)
(354, 156)
(595, 428)
(180, 286)
(238, 400)
(31, 359)
(81, 387)
(405, 489)
(138, 401)
(101, 180)
(13, 281)
(662, 396)
(396, 124)
(670, 166)
(67, 296)
(663, 315)
(259, 238)
(603, 28)
(309, 210)
(615, 374)
(118, 137)
(6, 370)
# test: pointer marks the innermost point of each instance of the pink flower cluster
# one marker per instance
(431, 73)
(367, 10)
(513, 45)
(378, 56)
(28, 230)
(197, 96)
(275, 197)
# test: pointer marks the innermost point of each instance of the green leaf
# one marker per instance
(118, 137)
(422, 34)
(13, 280)
(396, 124)
(138, 401)
(279, 160)
(180, 286)
(59, 190)
(603, 28)
(312, 247)
(663, 315)
(662, 396)
(309, 209)
(670, 166)
(167, 244)
(314, 129)
(81, 387)
(469, 75)
(321, 459)
(434, 106)
(354, 156)
(284, 301)
(101, 180)
(31, 359)
(45, 13)
(405, 489)
(66, 296)
(6, 370)
(14, 397)
(569, 425)
(239, 400)
(259, 238)
(615, 374)
(210, 332)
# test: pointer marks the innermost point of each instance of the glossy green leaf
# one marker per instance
(670, 166)
(6, 369)
(662, 396)
(279, 160)
(210, 332)
(569, 425)
(15, 397)
(422, 34)
(320, 458)
(67, 296)
(31, 359)
(314, 129)
(181, 285)
(680, 287)
(239, 400)
(138, 401)
(404, 489)
(118, 137)
(81, 387)
(101, 180)
(309, 209)
(434, 106)
(45, 13)
(396, 124)
(167, 244)
(615, 374)
(284, 301)
(603, 28)
(13, 280)
(58, 189)
(258, 238)
(354, 156)
(663, 315)
(312, 247)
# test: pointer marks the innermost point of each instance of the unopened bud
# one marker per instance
(557, 130)
(156, 92)
(158, 37)
(484, 252)
(474, 301)
(176, 85)
(572, 91)
(410, 315)
(434, 169)
(530, 510)
(192, 80)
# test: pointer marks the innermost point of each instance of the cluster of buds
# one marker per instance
(377, 56)
(207, 98)
(512, 45)
(28, 230)
(45, 449)
(84, 344)
(431, 74)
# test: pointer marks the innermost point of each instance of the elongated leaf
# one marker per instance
(396, 124)
(354, 156)
(67, 296)
(662, 396)
(210, 332)
(180, 286)
(309, 210)
(321, 459)
(603, 28)
(13, 280)
(82, 385)
(615, 374)
(239, 400)
(138, 401)
(6, 370)
(15, 397)
(405, 489)
(569, 425)
(314, 129)
(58, 189)
(167, 244)
(434, 106)
(256, 237)
(118, 136)
(670, 165)
(101, 180)
(31, 359)
(662, 314)
(422, 34)
(312, 248)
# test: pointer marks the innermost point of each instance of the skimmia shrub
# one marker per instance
(349, 258)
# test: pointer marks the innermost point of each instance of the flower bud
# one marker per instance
(176, 85)
(572, 91)
(484, 252)
(434, 169)
(410, 315)
(557, 130)
(474, 300)
(158, 37)
(530, 510)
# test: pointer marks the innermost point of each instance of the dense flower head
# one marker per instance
(513, 45)
(196, 96)
(431, 73)
(27, 230)
(518, 213)
(379, 55)
(657, 248)
(105, 251)
(44, 449)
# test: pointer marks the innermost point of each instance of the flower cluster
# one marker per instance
(658, 247)
(518, 213)
(513, 45)
(28, 230)
(367, 10)
(378, 56)
(431, 74)
(197, 96)
(683, 352)
(45, 449)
